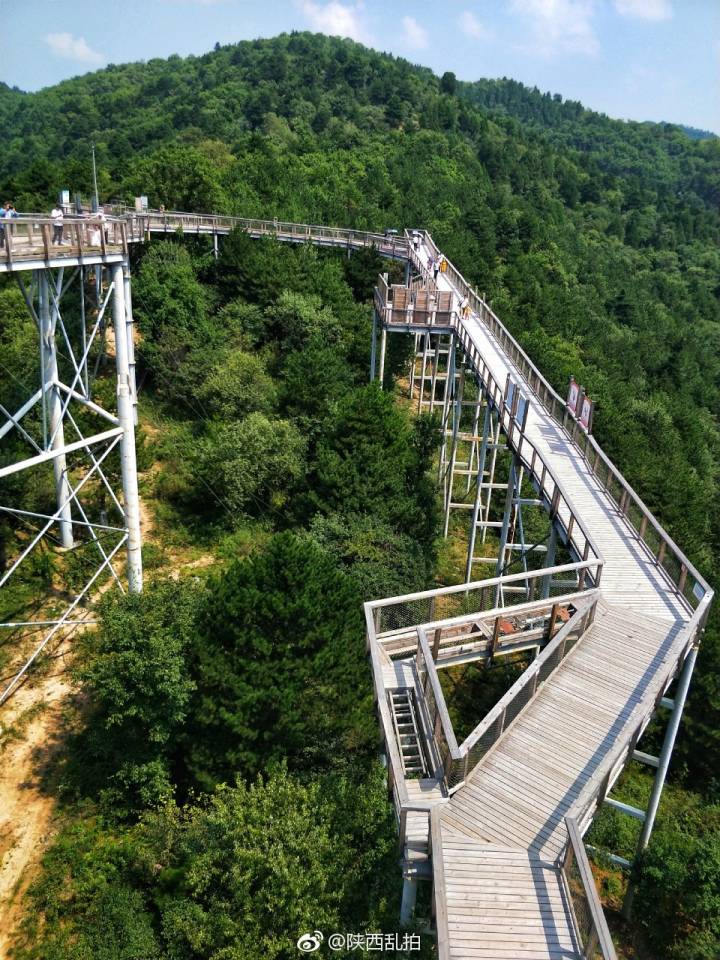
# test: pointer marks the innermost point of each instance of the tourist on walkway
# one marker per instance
(436, 269)
(3, 214)
(57, 217)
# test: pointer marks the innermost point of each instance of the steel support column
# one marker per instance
(482, 455)
(373, 346)
(549, 560)
(413, 365)
(383, 347)
(407, 904)
(448, 396)
(663, 765)
(505, 529)
(130, 324)
(131, 499)
(450, 472)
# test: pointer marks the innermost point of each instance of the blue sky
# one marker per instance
(636, 59)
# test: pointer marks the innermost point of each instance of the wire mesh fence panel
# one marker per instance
(672, 566)
(549, 665)
(634, 515)
(652, 539)
(581, 908)
(405, 613)
(485, 741)
(518, 702)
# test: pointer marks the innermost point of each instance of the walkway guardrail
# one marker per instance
(156, 221)
(679, 571)
(442, 608)
(42, 238)
(590, 922)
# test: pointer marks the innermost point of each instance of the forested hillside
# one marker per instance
(597, 243)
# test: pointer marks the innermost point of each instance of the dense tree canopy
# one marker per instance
(597, 243)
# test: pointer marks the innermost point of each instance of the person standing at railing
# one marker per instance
(102, 221)
(8, 213)
(57, 217)
(443, 263)
(3, 214)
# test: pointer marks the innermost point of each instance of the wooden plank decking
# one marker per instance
(519, 794)
(499, 889)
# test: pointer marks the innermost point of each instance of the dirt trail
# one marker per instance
(26, 809)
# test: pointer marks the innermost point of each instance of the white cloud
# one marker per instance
(645, 9)
(336, 19)
(415, 35)
(471, 26)
(73, 48)
(559, 26)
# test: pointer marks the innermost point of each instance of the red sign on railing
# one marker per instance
(586, 411)
(572, 397)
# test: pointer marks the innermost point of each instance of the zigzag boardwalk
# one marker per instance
(497, 820)
(510, 876)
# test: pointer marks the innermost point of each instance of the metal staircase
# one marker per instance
(403, 709)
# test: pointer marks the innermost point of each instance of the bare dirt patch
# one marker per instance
(31, 737)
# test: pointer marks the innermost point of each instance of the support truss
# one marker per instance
(63, 454)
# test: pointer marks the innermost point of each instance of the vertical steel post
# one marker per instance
(663, 764)
(383, 345)
(216, 252)
(457, 416)
(50, 378)
(509, 497)
(413, 365)
(549, 559)
(491, 475)
(668, 745)
(373, 346)
(435, 368)
(127, 291)
(421, 391)
(473, 442)
(478, 493)
(128, 462)
(407, 904)
(448, 396)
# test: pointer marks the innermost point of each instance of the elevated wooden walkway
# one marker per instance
(518, 797)
(499, 841)
(498, 820)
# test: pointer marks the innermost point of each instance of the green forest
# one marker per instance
(220, 784)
